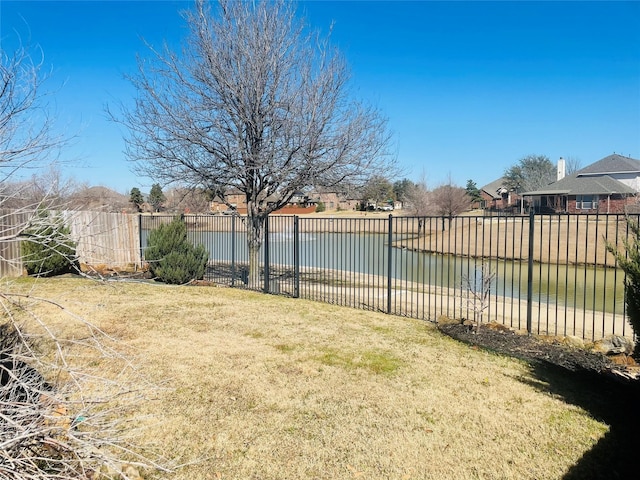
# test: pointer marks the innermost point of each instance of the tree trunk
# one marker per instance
(255, 232)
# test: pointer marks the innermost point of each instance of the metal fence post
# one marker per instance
(389, 262)
(530, 272)
(266, 254)
(140, 240)
(296, 258)
(233, 250)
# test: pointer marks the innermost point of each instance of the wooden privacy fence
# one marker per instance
(106, 239)
(102, 239)
(12, 223)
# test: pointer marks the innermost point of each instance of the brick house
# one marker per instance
(235, 198)
(497, 196)
(334, 200)
(609, 185)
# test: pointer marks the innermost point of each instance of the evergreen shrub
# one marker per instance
(629, 261)
(172, 258)
(48, 249)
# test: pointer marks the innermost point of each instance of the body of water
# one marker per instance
(583, 287)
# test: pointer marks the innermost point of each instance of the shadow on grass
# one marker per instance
(617, 404)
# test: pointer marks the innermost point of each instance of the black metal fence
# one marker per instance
(548, 274)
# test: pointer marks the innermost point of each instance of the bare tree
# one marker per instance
(51, 184)
(449, 200)
(572, 164)
(187, 200)
(477, 290)
(531, 173)
(27, 135)
(48, 186)
(98, 199)
(253, 103)
(418, 198)
(26, 129)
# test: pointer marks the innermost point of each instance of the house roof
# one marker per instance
(577, 185)
(612, 164)
(494, 187)
(594, 179)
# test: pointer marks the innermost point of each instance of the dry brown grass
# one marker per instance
(569, 239)
(264, 387)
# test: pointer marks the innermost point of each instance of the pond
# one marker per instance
(566, 286)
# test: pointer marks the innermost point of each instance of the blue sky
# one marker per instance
(468, 87)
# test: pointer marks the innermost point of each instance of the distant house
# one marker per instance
(609, 185)
(334, 200)
(497, 196)
(237, 200)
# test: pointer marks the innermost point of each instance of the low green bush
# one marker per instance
(320, 207)
(629, 261)
(172, 258)
(48, 249)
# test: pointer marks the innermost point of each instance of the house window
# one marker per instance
(587, 202)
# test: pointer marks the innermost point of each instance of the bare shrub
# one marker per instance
(476, 289)
(65, 394)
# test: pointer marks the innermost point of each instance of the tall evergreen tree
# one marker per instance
(136, 198)
(156, 197)
(473, 191)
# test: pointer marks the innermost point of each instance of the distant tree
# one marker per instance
(473, 191)
(48, 186)
(256, 104)
(418, 199)
(136, 198)
(401, 189)
(449, 200)
(156, 197)
(52, 185)
(99, 199)
(531, 173)
(377, 190)
(187, 200)
(572, 165)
